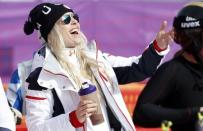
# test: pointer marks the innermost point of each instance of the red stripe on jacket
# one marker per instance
(35, 98)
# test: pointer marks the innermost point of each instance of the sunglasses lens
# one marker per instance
(66, 19)
(76, 17)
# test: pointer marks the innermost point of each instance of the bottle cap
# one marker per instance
(87, 89)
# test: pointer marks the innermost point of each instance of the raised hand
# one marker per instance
(164, 38)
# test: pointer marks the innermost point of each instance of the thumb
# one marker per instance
(163, 26)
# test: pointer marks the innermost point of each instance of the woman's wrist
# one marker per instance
(156, 46)
(74, 120)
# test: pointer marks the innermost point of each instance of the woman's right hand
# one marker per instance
(85, 109)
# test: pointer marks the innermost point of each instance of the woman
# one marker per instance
(175, 92)
(52, 100)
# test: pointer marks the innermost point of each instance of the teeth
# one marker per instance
(74, 31)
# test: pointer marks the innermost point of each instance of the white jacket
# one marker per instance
(6, 116)
(40, 102)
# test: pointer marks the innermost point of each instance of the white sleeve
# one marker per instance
(119, 61)
(6, 116)
(39, 110)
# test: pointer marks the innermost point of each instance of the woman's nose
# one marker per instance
(73, 21)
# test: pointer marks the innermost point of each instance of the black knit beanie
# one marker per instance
(43, 17)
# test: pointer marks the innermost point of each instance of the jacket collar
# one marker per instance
(52, 66)
(90, 51)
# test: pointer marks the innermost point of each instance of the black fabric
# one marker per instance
(43, 17)
(189, 17)
(42, 51)
(58, 107)
(182, 23)
(32, 80)
(173, 94)
(195, 11)
(4, 129)
(113, 121)
(146, 67)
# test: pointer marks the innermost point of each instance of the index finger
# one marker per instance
(163, 25)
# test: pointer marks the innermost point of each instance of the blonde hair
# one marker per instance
(56, 45)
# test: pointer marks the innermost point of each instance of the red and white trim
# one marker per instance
(156, 46)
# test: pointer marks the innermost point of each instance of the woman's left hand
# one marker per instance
(164, 38)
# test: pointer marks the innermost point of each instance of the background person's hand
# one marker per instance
(164, 38)
(17, 115)
(85, 109)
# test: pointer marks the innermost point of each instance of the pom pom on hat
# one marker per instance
(28, 28)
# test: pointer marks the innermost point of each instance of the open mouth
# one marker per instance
(74, 32)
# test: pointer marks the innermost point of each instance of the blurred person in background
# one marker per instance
(16, 89)
(7, 122)
(175, 92)
(52, 99)
(17, 86)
